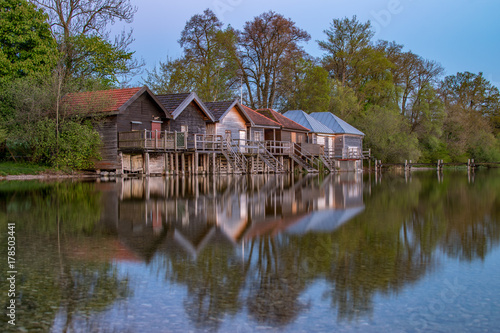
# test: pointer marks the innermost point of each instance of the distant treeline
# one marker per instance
(401, 101)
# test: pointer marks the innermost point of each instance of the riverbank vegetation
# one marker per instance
(404, 103)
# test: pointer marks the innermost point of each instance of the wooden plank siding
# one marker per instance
(109, 148)
(193, 117)
(143, 110)
(233, 121)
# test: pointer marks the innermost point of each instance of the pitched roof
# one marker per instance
(176, 103)
(258, 119)
(220, 109)
(108, 101)
(307, 121)
(336, 124)
(287, 123)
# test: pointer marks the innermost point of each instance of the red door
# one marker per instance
(155, 126)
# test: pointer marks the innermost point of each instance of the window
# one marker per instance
(257, 136)
(135, 125)
(184, 128)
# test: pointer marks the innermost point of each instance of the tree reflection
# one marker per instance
(57, 283)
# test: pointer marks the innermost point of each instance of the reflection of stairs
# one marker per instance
(327, 163)
(270, 160)
(301, 159)
(234, 157)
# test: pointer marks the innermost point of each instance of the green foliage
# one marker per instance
(387, 135)
(94, 60)
(311, 89)
(27, 47)
(76, 147)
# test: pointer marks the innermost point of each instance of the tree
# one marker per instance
(266, 47)
(206, 65)
(26, 44)
(310, 89)
(387, 135)
(346, 38)
(353, 60)
(472, 106)
(78, 24)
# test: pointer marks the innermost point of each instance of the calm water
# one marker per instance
(348, 253)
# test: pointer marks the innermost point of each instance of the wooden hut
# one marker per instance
(290, 130)
(122, 110)
(188, 111)
(260, 125)
(231, 120)
(348, 139)
(318, 132)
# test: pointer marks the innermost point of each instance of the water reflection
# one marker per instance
(246, 250)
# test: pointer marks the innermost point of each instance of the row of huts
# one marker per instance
(179, 133)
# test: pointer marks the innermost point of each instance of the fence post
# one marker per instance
(175, 140)
(156, 139)
(195, 146)
(145, 138)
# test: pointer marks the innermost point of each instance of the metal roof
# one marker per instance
(306, 120)
(337, 125)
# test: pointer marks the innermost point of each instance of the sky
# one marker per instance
(461, 35)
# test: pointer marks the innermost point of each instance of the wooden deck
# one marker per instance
(184, 152)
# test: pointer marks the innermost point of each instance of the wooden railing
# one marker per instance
(207, 142)
(152, 140)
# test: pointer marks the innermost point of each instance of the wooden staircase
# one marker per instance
(270, 160)
(234, 157)
(327, 162)
(302, 159)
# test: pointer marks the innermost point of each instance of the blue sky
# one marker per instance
(462, 35)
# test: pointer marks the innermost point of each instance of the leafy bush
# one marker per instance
(77, 146)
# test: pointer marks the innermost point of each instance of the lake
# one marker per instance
(350, 252)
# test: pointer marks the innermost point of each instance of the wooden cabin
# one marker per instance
(290, 130)
(231, 120)
(188, 112)
(348, 139)
(123, 110)
(318, 132)
(260, 125)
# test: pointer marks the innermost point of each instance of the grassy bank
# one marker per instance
(21, 168)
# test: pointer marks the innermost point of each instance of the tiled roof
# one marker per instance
(219, 108)
(258, 119)
(172, 101)
(337, 125)
(307, 121)
(99, 101)
(287, 123)
(176, 103)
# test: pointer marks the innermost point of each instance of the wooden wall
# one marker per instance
(193, 117)
(253, 130)
(106, 128)
(144, 110)
(234, 122)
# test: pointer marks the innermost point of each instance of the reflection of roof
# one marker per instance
(271, 227)
(258, 119)
(324, 221)
(176, 103)
(306, 120)
(337, 125)
(286, 122)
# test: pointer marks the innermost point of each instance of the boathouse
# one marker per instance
(122, 110)
(348, 142)
(318, 132)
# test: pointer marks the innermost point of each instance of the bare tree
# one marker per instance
(266, 46)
